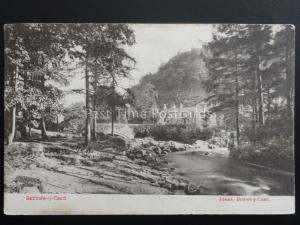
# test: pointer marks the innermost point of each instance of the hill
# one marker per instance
(180, 80)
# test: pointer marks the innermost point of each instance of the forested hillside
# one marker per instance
(180, 80)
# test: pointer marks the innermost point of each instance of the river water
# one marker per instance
(224, 176)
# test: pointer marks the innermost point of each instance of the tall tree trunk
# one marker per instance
(94, 124)
(43, 127)
(24, 133)
(259, 93)
(237, 103)
(42, 120)
(94, 120)
(112, 120)
(88, 107)
(57, 122)
(24, 127)
(30, 125)
(269, 103)
(237, 111)
(254, 118)
(12, 132)
(113, 107)
(94, 105)
(254, 108)
(29, 131)
(288, 82)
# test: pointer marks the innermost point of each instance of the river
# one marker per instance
(225, 176)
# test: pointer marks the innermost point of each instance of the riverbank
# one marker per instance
(63, 165)
(218, 175)
(114, 165)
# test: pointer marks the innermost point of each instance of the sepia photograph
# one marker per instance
(149, 109)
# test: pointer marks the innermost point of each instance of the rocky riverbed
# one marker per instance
(63, 164)
(109, 165)
(114, 165)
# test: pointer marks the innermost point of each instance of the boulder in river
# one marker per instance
(157, 147)
(191, 189)
(210, 149)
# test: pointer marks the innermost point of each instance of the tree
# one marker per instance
(227, 55)
(15, 57)
(145, 96)
(117, 69)
(284, 44)
(100, 44)
(47, 45)
(251, 71)
(258, 37)
(74, 118)
(41, 49)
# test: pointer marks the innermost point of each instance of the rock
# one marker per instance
(150, 158)
(157, 150)
(203, 145)
(144, 152)
(163, 153)
(32, 167)
(181, 185)
(100, 135)
(130, 155)
(77, 160)
(134, 143)
(108, 149)
(174, 183)
(165, 184)
(210, 149)
(119, 141)
(8, 169)
(87, 162)
(142, 147)
(30, 190)
(139, 155)
(192, 189)
(37, 148)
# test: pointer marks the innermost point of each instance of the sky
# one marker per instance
(155, 45)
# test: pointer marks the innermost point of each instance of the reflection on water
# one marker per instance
(219, 175)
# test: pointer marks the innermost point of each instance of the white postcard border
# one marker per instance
(115, 204)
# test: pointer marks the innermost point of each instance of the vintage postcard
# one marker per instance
(149, 119)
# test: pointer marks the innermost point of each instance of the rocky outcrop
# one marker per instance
(149, 149)
(108, 165)
(209, 149)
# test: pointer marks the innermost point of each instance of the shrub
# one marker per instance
(276, 155)
(180, 133)
(141, 131)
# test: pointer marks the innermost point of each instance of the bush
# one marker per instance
(280, 129)
(173, 132)
(271, 144)
(276, 155)
(141, 131)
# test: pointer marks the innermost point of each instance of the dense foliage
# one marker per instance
(37, 58)
(251, 83)
(177, 81)
(173, 132)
